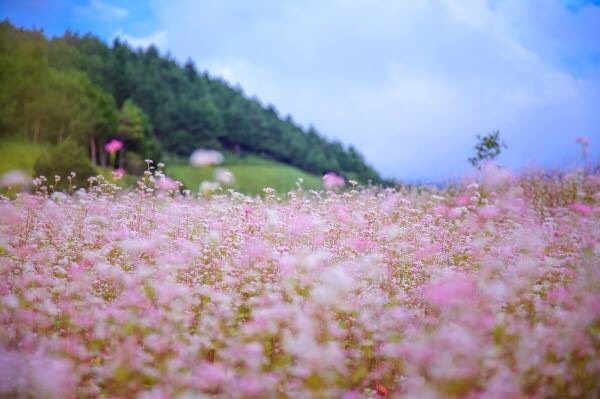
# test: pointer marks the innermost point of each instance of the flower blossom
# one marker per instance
(167, 184)
(113, 146)
(202, 157)
(119, 173)
(15, 178)
(224, 176)
(487, 289)
(331, 181)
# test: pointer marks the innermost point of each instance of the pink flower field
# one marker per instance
(486, 289)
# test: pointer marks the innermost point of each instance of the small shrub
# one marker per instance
(134, 163)
(61, 161)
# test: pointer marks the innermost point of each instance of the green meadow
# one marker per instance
(251, 173)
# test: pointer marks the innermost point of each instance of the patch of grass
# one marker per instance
(19, 154)
(250, 177)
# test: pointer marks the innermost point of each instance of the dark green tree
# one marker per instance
(56, 163)
(488, 147)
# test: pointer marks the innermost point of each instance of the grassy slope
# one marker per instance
(252, 173)
(15, 154)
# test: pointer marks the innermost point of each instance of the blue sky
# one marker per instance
(409, 83)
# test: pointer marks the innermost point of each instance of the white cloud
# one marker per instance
(158, 39)
(408, 83)
(99, 8)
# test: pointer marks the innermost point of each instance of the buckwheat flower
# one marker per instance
(456, 212)
(504, 384)
(211, 376)
(473, 186)
(359, 244)
(581, 208)
(59, 196)
(207, 187)
(584, 142)
(167, 184)
(224, 176)
(462, 200)
(118, 173)
(489, 212)
(251, 387)
(456, 289)
(352, 395)
(336, 283)
(135, 247)
(15, 179)
(300, 224)
(113, 146)
(203, 157)
(493, 176)
(498, 291)
(34, 375)
(31, 201)
(372, 292)
(331, 181)
(11, 301)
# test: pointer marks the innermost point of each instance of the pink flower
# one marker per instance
(582, 209)
(493, 176)
(455, 213)
(167, 184)
(462, 200)
(250, 387)
(489, 212)
(428, 251)
(360, 244)
(454, 290)
(583, 141)
(113, 146)
(119, 173)
(331, 181)
(34, 375)
(400, 292)
(211, 376)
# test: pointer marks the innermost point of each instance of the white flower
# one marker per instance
(224, 176)
(208, 187)
(15, 178)
(206, 158)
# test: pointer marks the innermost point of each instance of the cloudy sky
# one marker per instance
(410, 83)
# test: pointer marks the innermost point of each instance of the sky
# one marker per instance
(409, 83)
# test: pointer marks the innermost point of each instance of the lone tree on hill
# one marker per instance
(488, 147)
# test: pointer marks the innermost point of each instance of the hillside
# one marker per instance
(251, 173)
(79, 87)
(250, 177)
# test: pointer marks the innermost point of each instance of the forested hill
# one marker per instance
(78, 86)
